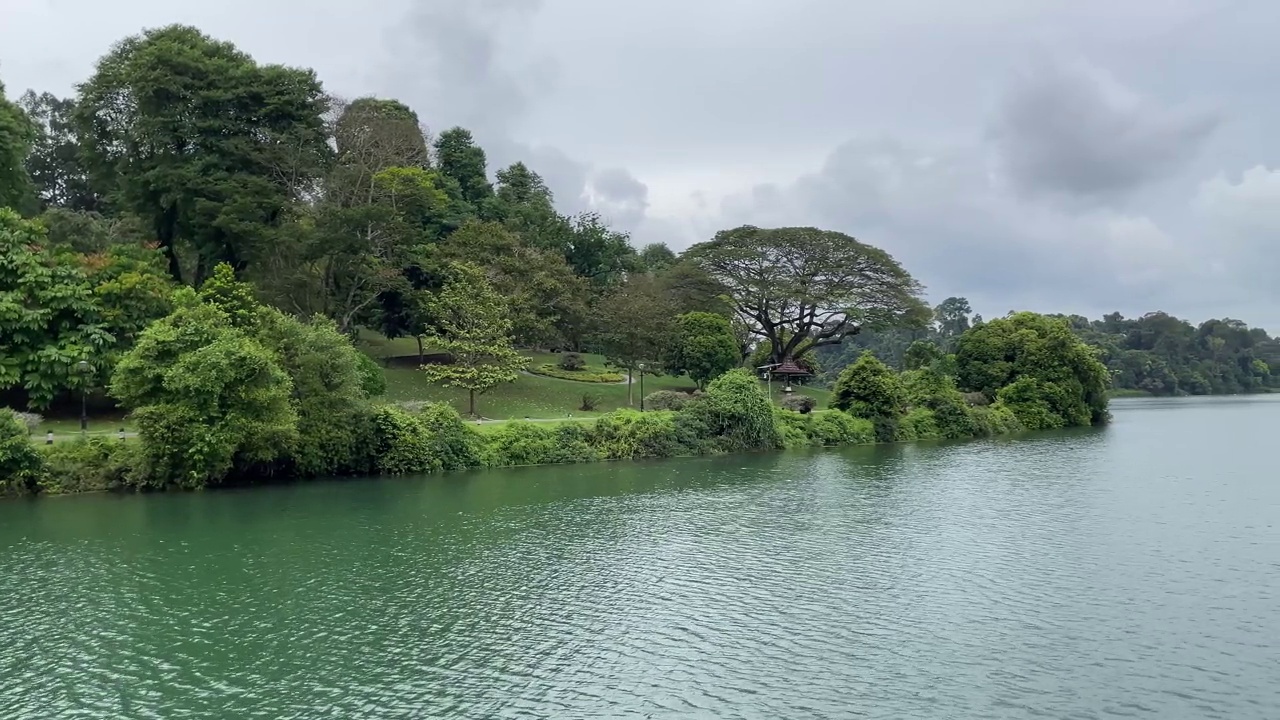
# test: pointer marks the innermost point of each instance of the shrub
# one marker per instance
(20, 462)
(628, 434)
(453, 445)
(868, 389)
(401, 443)
(794, 427)
(935, 391)
(995, 419)
(802, 404)
(736, 414)
(88, 465)
(590, 401)
(705, 346)
(373, 381)
(667, 400)
(523, 443)
(919, 424)
(29, 419)
(1032, 402)
(838, 428)
(573, 444)
(572, 362)
(577, 375)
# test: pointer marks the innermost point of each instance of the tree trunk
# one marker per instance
(421, 356)
(472, 394)
(629, 386)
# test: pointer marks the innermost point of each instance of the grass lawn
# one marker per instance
(535, 396)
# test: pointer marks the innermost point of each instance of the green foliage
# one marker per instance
(453, 445)
(527, 443)
(937, 392)
(17, 135)
(995, 419)
(572, 361)
(91, 465)
(704, 347)
(590, 401)
(373, 381)
(736, 414)
(868, 389)
(629, 434)
(921, 354)
(402, 445)
(329, 395)
(838, 428)
(918, 424)
(667, 400)
(20, 462)
(206, 145)
(1158, 354)
(49, 318)
(464, 162)
(205, 397)
(818, 286)
(802, 404)
(54, 164)
(1065, 384)
(473, 328)
(794, 428)
(555, 371)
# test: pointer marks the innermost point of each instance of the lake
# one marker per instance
(1130, 571)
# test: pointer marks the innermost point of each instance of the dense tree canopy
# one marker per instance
(17, 136)
(204, 143)
(819, 285)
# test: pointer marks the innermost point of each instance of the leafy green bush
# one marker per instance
(837, 428)
(919, 424)
(90, 465)
(572, 362)
(628, 434)
(667, 400)
(590, 401)
(20, 462)
(525, 443)
(705, 347)
(794, 428)
(401, 443)
(453, 445)
(735, 414)
(554, 371)
(1032, 402)
(869, 389)
(573, 444)
(995, 419)
(373, 381)
(802, 404)
(928, 388)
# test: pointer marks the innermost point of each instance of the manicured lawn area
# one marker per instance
(544, 397)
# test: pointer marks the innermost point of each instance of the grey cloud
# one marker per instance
(1073, 129)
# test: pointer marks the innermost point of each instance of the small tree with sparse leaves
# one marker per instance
(471, 324)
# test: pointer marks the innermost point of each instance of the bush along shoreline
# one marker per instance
(226, 392)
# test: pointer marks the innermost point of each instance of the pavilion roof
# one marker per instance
(789, 367)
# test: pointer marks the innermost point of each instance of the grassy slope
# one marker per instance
(544, 397)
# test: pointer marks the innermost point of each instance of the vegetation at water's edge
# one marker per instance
(199, 268)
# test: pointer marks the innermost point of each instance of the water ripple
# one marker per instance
(1123, 573)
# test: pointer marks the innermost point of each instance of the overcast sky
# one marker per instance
(1054, 155)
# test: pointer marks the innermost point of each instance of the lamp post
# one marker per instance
(641, 366)
(83, 368)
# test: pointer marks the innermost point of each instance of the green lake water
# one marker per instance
(1131, 571)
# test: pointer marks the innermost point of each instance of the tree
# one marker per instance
(54, 163)
(49, 319)
(869, 389)
(636, 324)
(462, 160)
(1058, 368)
(655, 257)
(821, 286)
(951, 319)
(17, 134)
(471, 325)
(921, 354)
(546, 300)
(704, 347)
(205, 396)
(20, 462)
(202, 142)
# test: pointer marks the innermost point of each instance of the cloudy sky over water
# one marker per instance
(1056, 155)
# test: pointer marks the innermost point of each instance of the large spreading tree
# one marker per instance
(800, 288)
